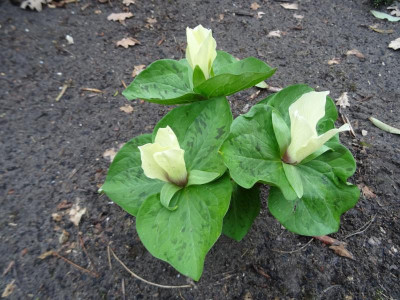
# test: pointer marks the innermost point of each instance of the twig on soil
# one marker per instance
(87, 254)
(109, 256)
(123, 289)
(92, 90)
(10, 265)
(261, 271)
(144, 280)
(363, 228)
(293, 251)
(327, 289)
(123, 83)
(63, 90)
(75, 265)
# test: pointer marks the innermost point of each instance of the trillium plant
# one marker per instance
(198, 174)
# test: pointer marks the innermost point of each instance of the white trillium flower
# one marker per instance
(304, 116)
(201, 49)
(164, 159)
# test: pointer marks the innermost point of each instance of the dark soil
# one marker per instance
(53, 151)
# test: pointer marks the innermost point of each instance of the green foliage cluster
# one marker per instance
(226, 161)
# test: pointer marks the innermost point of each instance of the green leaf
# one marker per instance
(252, 154)
(319, 183)
(198, 76)
(324, 200)
(184, 236)
(222, 59)
(381, 15)
(262, 85)
(126, 184)
(165, 82)
(167, 193)
(201, 128)
(244, 208)
(234, 77)
(282, 132)
(294, 179)
(197, 177)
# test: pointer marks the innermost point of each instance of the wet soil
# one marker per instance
(52, 151)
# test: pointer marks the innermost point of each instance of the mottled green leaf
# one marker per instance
(251, 151)
(244, 208)
(324, 199)
(167, 193)
(231, 78)
(126, 184)
(197, 177)
(201, 128)
(184, 236)
(165, 81)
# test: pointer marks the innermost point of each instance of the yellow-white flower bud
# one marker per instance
(201, 49)
(164, 159)
(304, 116)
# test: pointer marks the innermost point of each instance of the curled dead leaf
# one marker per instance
(291, 6)
(260, 14)
(110, 154)
(137, 69)
(356, 53)
(33, 4)
(9, 289)
(367, 192)
(343, 100)
(275, 33)
(128, 2)
(76, 213)
(342, 251)
(127, 42)
(126, 108)
(254, 6)
(334, 61)
(119, 16)
(151, 20)
(395, 44)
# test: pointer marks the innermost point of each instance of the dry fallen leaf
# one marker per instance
(69, 39)
(254, 6)
(395, 11)
(33, 4)
(119, 16)
(395, 44)
(299, 17)
(334, 61)
(76, 213)
(137, 69)
(260, 14)
(128, 2)
(46, 254)
(126, 42)
(275, 33)
(56, 217)
(343, 100)
(110, 154)
(341, 250)
(221, 17)
(9, 289)
(126, 108)
(151, 20)
(376, 29)
(292, 6)
(367, 192)
(356, 53)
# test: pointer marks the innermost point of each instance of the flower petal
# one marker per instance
(150, 167)
(315, 143)
(173, 163)
(165, 137)
(310, 106)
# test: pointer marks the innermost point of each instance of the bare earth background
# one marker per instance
(52, 151)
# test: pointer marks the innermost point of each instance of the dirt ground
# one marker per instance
(52, 151)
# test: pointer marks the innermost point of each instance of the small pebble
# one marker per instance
(364, 132)
(373, 241)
